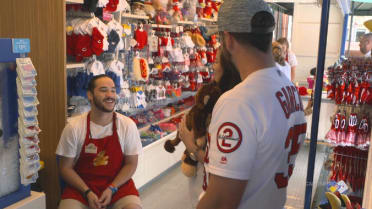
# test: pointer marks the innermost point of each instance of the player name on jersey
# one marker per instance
(290, 100)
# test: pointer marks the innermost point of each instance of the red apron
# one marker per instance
(99, 168)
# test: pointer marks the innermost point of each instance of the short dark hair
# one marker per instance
(92, 81)
(259, 41)
(313, 71)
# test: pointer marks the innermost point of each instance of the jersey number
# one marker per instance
(292, 138)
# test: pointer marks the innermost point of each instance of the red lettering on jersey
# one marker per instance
(292, 138)
(227, 133)
(279, 96)
(289, 100)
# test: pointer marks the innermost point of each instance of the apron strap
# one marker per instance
(88, 135)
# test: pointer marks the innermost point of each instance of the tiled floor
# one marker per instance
(171, 190)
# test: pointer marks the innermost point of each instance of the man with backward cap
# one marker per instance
(256, 128)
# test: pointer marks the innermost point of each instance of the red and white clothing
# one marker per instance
(99, 153)
(255, 133)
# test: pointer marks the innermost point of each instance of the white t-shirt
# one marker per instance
(292, 60)
(248, 135)
(286, 69)
(368, 54)
(73, 135)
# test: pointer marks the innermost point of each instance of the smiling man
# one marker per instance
(365, 44)
(99, 154)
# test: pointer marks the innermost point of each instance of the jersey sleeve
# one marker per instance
(132, 142)
(233, 140)
(67, 145)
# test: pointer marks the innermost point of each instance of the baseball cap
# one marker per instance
(236, 16)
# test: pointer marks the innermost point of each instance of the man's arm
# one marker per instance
(127, 171)
(222, 193)
(66, 168)
(293, 73)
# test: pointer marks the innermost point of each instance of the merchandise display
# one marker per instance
(28, 126)
(155, 67)
(350, 133)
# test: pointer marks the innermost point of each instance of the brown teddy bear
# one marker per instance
(197, 119)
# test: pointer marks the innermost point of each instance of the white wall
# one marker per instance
(305, 36)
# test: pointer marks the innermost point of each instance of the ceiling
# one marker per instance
(362, 9)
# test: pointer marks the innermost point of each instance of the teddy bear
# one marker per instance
(197, 119)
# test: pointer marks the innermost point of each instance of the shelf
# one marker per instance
(208, 20)
(72, 65)
(161, 26)
(185, 23)
(74, 1)
(165, 119)
(132, 16)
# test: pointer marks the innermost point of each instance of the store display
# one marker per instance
(349, 135)
(28, 126)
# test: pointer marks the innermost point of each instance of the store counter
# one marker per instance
(36, 200)
(327, 109)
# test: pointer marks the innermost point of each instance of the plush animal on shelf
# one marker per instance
(197, 119)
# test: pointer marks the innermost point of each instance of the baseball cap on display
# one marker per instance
(236, 16)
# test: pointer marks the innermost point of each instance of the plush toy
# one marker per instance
(197, 119)
(162, 16)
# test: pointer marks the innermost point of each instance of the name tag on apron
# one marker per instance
(91, 148)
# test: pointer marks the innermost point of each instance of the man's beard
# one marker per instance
(100, 105)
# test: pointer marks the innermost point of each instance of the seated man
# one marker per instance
(99, 154)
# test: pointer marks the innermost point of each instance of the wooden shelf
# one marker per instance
(185, 23)
(71, 65)
(208, 20)
(161, 26)
(74, 1)
(132, 16)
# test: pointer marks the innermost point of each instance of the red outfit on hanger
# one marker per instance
(141, 38)
(99, 177)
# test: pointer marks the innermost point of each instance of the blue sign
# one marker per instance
(21, 45)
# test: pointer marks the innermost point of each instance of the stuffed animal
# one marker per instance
(197, 119)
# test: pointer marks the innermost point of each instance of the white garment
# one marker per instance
(153, 42)
(286, 69)
(292, 60)
(368, 54)
(248, 133)
(73, 135)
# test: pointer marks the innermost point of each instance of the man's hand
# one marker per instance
(93, 201)
(186, 136)
(105, 198)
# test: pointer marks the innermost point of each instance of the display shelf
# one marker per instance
(154, 160)
(132, 16)
(161, 26)
(208, 20)
(165, 119)
(74, 1)
(185, 23)
(71, 65)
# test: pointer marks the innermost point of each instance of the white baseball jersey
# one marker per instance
(256, 131)
(73, 135)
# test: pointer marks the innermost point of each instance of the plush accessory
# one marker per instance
(198, 40)
(149, 9)
(112, 5)
(113, 40)
(175, 12)
(197, 119)
(97, 42)
(208, 10)
(162, 16)
(363, 133)
(332, 133)
(140, 69)
(83, 48)
(141, 38)
(351, 130)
